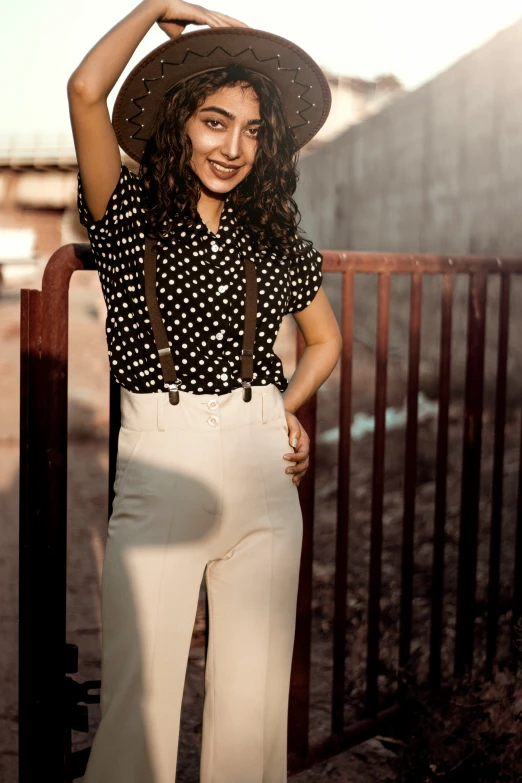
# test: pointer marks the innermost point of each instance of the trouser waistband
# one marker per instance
(153, 411)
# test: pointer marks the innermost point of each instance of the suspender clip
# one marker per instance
(173, 393)
(247, 390)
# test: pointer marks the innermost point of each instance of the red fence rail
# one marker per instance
(52, 704)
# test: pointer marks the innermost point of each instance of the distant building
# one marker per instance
(353, 100)
(38, 186)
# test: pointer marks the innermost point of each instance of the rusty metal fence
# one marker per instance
(51, 703)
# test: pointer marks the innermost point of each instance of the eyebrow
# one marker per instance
(228, 114)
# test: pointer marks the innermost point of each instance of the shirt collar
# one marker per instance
(227, 224)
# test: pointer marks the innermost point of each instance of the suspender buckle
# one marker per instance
(247, 390)
(173, 393)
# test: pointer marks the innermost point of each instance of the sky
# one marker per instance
(43, 41)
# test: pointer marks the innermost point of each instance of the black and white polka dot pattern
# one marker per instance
(201, 294)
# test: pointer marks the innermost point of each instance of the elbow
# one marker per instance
(79, 90)
(338, 340)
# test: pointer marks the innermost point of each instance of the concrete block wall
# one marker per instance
(437, 171)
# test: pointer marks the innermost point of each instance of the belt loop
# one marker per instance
(161, 407)
(264, 408)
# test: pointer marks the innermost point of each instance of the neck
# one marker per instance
(210, 207)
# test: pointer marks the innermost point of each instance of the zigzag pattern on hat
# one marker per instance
(189, 52)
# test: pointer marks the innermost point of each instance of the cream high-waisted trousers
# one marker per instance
(201, 489)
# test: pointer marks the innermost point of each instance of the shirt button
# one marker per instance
(212, 421)
(214, 247)
(222, 288)
(212, 404)
(219, 336)
(224, 377)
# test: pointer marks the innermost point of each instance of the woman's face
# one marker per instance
(223, 133)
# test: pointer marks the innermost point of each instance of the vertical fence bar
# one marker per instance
(299, 708)
(498, 472)
(343, 506)
(441, 473)
(55, 336)
(470, 494)
(410, 473)
(31, 708)
(372, 666)
(46, 745)
(516, 633)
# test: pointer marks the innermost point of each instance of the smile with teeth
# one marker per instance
(219, 167)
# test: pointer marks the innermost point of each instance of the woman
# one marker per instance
(199, 259)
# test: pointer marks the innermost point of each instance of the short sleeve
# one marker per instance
(121, 206)
(305, 276)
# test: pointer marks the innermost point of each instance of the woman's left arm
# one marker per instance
(323, 340)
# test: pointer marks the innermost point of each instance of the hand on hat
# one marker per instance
(176, 15)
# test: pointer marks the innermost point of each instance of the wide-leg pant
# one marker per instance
(201, 489)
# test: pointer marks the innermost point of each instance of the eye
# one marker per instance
(217, 123)
(254, 132)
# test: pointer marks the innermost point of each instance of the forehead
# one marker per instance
(239, 97)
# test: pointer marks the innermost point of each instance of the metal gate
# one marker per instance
(51, 703)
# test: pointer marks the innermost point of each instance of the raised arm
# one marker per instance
(89, 85)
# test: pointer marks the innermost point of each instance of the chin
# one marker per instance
(219, 188)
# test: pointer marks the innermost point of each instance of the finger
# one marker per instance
(172, 29)
(298, 469)
(205, 16)
(294, 437)
(302, 447)
(300, 453)
(304, 443)
(221, 20)
(212, 20)
(231, 22)
(296, 474)
(297, 456)
(216, 22)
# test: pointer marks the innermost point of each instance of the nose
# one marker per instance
(231, 147)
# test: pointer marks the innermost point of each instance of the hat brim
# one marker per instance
(303, 86)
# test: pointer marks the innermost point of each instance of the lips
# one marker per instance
(221, 171)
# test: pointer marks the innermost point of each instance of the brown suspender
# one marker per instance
(160, 333)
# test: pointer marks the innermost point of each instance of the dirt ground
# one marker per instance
(87, 467)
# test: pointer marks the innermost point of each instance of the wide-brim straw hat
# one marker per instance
(303, 86)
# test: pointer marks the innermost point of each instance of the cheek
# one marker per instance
(202, 142)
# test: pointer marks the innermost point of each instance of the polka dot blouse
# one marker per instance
(200, 287)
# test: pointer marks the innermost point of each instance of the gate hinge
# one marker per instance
(77, 715)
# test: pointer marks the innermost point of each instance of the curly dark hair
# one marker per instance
(262, 201)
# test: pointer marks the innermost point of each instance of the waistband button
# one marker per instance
(213, 420)
(212, 404)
